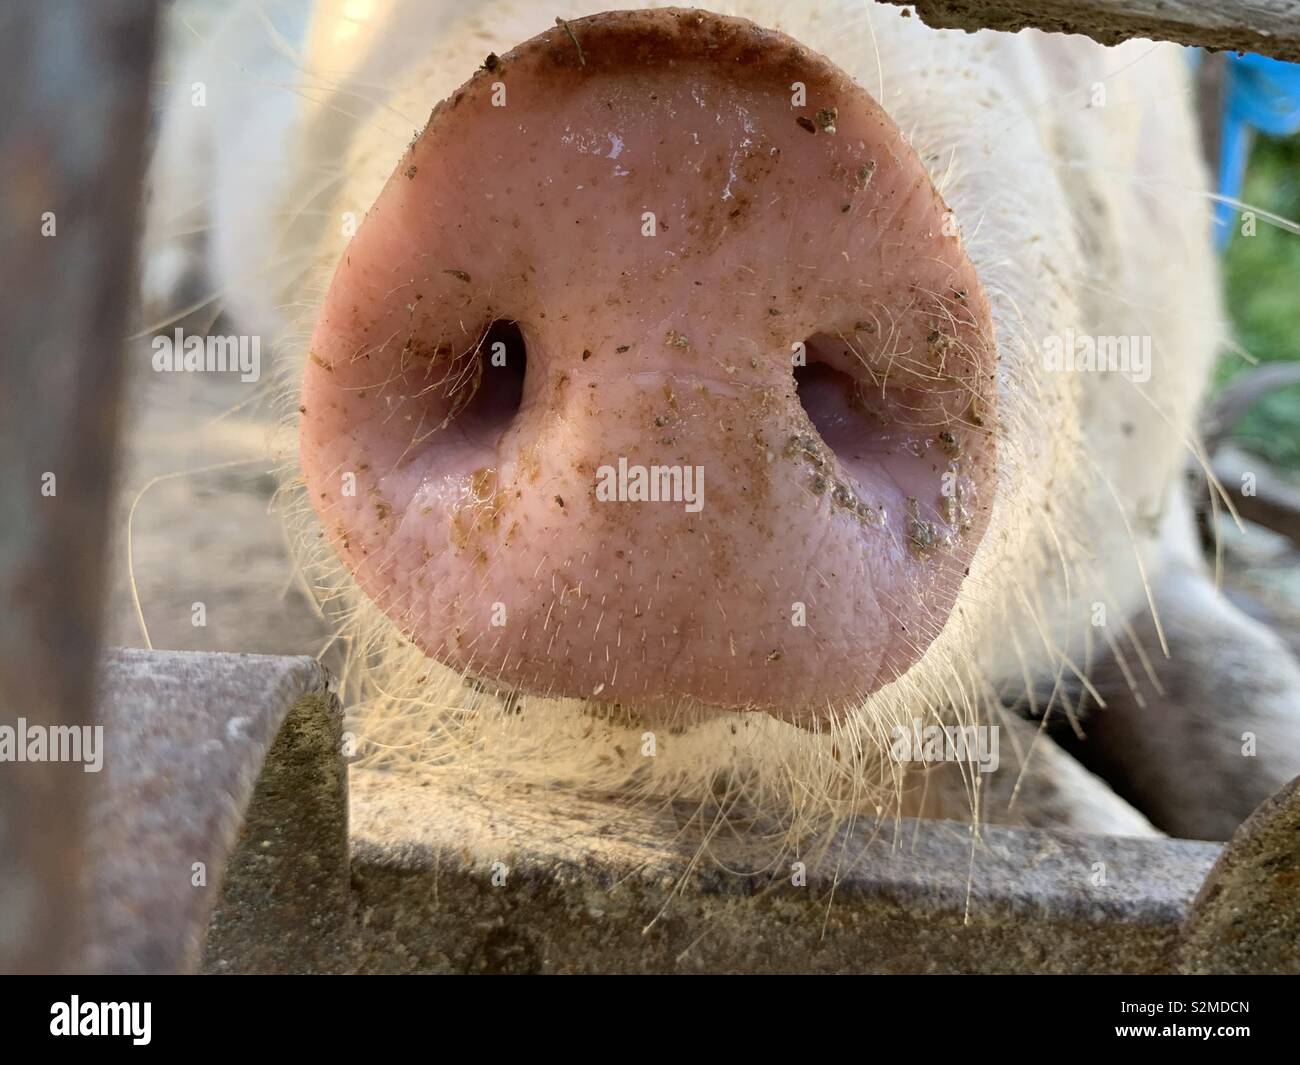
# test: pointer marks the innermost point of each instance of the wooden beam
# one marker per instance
(1270, 27)
(1259, 493)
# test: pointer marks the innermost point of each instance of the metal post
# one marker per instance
(73, 122)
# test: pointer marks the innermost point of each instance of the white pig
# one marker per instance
(910, 326)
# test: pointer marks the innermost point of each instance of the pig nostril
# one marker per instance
(825, 394)
(495, 369)
(840, 405)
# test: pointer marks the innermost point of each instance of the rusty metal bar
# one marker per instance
(1270, 27)
(73, 119)
(223, 777)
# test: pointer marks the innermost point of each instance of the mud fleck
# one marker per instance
(826, 119)
(922, 536)
(480, 512)
(805, 444)
(940, 347)
(872, 515)
(459, 275)
(675, 339)
(956, 505)
(483, 484)
(844, 497)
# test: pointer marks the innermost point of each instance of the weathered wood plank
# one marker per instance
(1270, 27)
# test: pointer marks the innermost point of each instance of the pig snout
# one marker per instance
(658, 375)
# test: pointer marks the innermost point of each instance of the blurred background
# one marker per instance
(1262, 284)
(1254, 143)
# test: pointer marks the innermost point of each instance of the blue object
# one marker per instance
(1259, 94)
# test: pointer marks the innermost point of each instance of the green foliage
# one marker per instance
(1262, 283)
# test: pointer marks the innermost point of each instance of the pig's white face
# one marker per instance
(655, 215)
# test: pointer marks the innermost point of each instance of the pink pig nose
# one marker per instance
(657, 374)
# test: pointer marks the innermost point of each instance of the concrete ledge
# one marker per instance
(1246, 918)
(447, 882)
